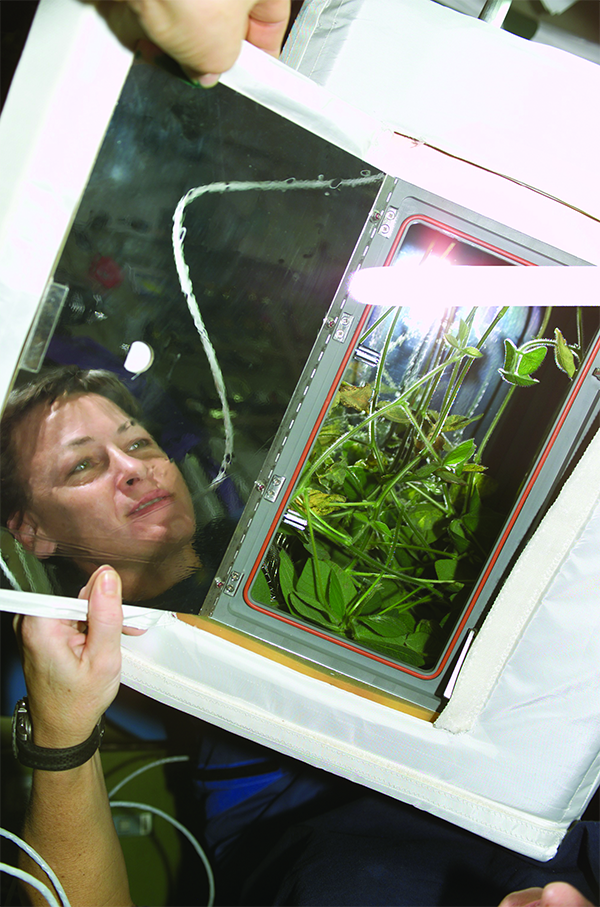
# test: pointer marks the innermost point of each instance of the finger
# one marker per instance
(528, 897)
(105, 615)
(267, 24)
(204, 37)
(85, 592)
(561, 894)
(134, 631)
(122, 20)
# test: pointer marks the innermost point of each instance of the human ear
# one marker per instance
(25, 529)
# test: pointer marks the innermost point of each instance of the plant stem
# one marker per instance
(376, 324)
(376, 389)
(362, 425)
(451, 397)
(494, 422)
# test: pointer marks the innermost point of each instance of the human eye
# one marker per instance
(141, 446)
(80, 467)
(82, 471)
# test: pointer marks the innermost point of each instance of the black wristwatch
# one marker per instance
(47, 758)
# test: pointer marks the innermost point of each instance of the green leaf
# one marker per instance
(453, 341)
(287, 574)
(357, 479)
(309, 611)
(260, 589)
(472, 352)
(446, 569)
(456, 422)
(511, 356)
(418, 641)
(319, 502)
(458, 535)
(531, 361)
(463, 330)
(460, 454)
(563, 355)
(389, 624)
(427, 626)
(336, 602)
(335, 476)
(381, 527)
(517, 380)
(425, 471)
(396, 414)
(308, 586)
(322, 553)
(355, 397)
(426, 517)
(393, 647)
(346, 582)
(447, 476)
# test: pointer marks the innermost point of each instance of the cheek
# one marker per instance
(85, 509)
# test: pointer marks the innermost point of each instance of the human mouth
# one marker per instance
(149, 503)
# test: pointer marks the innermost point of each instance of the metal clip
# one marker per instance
(389, 221)
(272, 490)
(344, 325)
(233, 581)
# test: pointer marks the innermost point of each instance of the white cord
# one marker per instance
(31, 880)
(29, 850)
(184, 831)
(145, 768)
(187, 288)
(128, 804)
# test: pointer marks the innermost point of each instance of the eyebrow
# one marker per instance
(79, 442)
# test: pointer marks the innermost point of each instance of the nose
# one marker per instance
(128, 470)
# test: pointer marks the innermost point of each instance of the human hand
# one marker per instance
(204, 36)
(72, 668)
(556, 894)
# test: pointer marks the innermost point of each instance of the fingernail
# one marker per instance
(208, 80)
(109, 582)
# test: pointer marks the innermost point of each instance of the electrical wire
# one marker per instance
(34, 855)
(185, 281)
(31, 880)
(145, 768)
(127, 804)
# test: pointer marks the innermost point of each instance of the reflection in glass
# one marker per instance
(263, 265)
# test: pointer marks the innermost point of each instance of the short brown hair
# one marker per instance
(63, 381)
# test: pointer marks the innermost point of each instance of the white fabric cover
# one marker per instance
(517, 108)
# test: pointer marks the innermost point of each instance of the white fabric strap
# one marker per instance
(39, 605)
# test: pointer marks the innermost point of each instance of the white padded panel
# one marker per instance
(482, 94)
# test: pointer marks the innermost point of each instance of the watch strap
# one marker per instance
(50, 759)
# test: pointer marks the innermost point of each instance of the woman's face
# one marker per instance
(99, 486)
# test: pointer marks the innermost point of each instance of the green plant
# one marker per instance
(395, 500)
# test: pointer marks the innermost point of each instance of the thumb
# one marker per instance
(105, 613)
(561, 894)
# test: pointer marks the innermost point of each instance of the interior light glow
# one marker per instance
(441, 287)
(139, 358)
